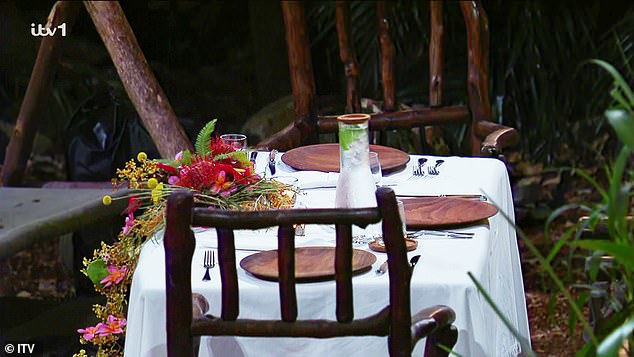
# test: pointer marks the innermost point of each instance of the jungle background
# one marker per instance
(227, 60)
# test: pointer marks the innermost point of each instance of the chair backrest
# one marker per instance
(394, 320)
(485, 136)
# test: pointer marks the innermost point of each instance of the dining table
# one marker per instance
(441, 276)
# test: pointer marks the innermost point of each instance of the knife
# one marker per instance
(469, 197)
(381, 269)
(272, 161)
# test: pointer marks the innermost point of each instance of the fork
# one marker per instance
(419, 171)
(209, 261)
(434, 170)
(446, 234)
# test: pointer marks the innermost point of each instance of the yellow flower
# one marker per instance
(151, 183)
(157, 193)
(107, 200)
(141, 156)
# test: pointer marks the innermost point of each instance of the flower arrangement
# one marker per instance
(217, 174)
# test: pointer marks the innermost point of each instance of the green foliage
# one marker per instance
(204, 138)
(96, 271)
(612, 344)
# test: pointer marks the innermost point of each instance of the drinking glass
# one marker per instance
(401, 213)
(375, 168)
(237, 141)
(378, 237)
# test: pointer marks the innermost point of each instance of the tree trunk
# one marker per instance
(142, 87)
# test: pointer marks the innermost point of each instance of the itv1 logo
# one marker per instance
(43, 31)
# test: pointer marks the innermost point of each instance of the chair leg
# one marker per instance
(446, 337)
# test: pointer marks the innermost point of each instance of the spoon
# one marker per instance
(413, 261)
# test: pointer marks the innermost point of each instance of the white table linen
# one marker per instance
(439, 278)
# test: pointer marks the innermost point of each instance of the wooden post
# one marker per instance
(477, 25)
(142, 87)
(436, 54)
(348, 57)
(387, 58)
(299, 61)
(21, 142)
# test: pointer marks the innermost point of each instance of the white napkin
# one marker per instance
(318, 179)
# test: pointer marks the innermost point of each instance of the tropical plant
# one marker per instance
(614, 210)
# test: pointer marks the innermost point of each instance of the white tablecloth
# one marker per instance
(439, 278)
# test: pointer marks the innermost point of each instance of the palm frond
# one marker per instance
(204, 138)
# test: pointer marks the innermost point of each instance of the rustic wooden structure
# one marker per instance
(30, 215)
(21, 142)
(394, 320)
(135, 73)
(485, 137)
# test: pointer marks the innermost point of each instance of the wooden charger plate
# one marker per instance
(311, 263)
(410, 244)
(325, 157)
(433, 212)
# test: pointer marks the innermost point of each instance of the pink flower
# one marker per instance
(116, 275)
(179, 156)
(172, 180)
(112, 327)
(129, 223)
(90, 332)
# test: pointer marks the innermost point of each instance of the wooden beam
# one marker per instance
(436, 54)
(21, 142)
(387, 57)
(406, 119)
(140, 83)
(477, 25)
(348, 57)
(299, 61)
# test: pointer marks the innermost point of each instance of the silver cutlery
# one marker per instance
(445, 234)
(382, 269)
(209, 262)
(434, 170)
(272, 161)
(469, 197)
(413, 261)
(419, 170)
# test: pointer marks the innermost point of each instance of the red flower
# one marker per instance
(199, 175)
(167, 168)
(217, 147)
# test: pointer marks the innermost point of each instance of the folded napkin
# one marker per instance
(318, 179)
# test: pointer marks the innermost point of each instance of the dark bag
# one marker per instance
(103, 134)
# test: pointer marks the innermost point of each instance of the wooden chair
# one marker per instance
(394, 321)
(485, 137)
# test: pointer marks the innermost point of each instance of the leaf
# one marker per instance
(623, 253)
(240, 156)
(612, 344)
(204, 138)
(186, 159)
(96, 271)
(623, 123)
(618, 204)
